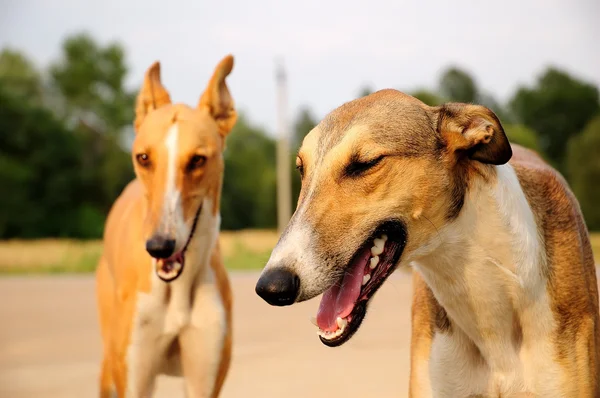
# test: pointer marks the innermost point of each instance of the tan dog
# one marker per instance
(505, 293)
(163, 293)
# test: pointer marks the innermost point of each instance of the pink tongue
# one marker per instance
(166, 264)
(339, 301)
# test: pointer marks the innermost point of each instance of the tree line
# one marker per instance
(65, 130)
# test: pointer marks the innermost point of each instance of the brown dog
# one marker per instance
(163, 294)
(505, 292)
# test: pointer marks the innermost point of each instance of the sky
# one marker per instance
(330, 49)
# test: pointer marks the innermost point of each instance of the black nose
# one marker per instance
(160, 246)
(278, 286)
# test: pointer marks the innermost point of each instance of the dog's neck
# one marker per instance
(486, 268)
(203, 242)
(177, 296)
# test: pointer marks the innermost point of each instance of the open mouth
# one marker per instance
(169, 269)
(344, 305)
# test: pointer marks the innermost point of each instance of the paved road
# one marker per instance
(50, 346)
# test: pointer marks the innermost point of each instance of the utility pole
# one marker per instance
(284, 186)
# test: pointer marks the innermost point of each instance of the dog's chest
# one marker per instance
(457, 369)
(158, 320)
(164, 312)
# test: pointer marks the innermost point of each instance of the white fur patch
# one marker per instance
(146, 332)
(294, 251)
(172, 207)
(294, 245)
(520, 222)
(452, 367)
(209, 323)
(537, 319)
(485, 268)
(197, 259)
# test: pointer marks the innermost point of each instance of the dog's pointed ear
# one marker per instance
(152, 95)
(473, 131)
(217, 99)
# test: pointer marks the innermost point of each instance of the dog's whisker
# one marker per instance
(437, 231)
(391, 283)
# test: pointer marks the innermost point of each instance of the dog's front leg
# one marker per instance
(143, 357)
(202, 342)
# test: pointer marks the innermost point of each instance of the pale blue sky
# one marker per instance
(330, 48)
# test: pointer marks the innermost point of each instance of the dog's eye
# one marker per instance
(356, 167)
(300, 167)
(196, 162)
(143, 159)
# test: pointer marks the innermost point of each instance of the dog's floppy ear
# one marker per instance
(473, 131)
(217, 99)
(152, 95)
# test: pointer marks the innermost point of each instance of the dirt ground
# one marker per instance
(50, 345)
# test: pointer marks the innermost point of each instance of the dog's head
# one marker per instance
(177, 155)
(378, 175)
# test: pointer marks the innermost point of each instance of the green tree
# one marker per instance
(583, 164)
(432, 98)
(524, 136)
(249, 191)
(428, 97)
(40, 166)
(557, 107)
(89, 82)
(457, 85)
(19, 77)
(305, 122)
(499, 109)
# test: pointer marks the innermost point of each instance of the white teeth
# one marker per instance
(383, 237)
(313, 320)
(366, 279)
(376, 250)
(373, 262)
(330, 335)
(378, 245)
(341, 322)
(177, 266)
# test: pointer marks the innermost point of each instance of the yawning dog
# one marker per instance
(505, 295)
(163, 294)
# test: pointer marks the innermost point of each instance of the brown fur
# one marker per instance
(571, 271)
(432, 168)
(572, 280)
(125, 270)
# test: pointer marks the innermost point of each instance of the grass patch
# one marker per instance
(247, 250)
(244, 259)
(49, 256)
(241, 250)
(595, 240)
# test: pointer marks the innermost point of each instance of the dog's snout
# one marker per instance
(160, 246)
(278, 286)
